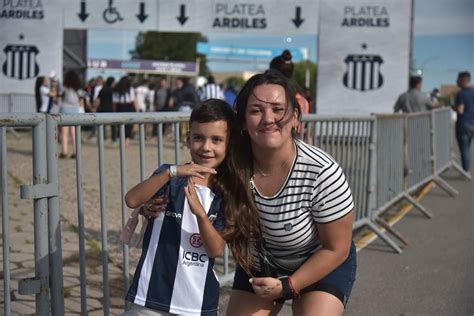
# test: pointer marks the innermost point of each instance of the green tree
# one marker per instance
(154, 45)
(300, 73)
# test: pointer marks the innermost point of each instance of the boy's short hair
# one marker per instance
(213, 110)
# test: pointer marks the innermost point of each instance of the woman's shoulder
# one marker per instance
(310, 154)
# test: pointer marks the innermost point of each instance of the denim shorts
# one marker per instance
(338, 283)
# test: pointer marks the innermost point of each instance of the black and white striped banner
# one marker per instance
(31, 43)
(363, 61)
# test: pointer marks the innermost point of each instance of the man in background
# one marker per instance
(413, 100)
(464, 107)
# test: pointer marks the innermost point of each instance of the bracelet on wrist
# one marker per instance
(173, 171)
(296, 293)
(287, 290)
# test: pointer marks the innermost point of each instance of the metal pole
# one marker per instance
(103, 219)
(55, 248)
(41, 219)
(80, 222)
(5, 229)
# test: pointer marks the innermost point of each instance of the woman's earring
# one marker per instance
(242, 132)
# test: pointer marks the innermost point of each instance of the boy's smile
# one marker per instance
(207, 143)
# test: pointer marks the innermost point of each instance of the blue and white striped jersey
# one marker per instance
(315, 191)
(174, 273)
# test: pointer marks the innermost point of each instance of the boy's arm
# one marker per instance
(145, 190)
(211, 239)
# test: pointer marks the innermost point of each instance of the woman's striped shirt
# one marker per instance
(315, 191)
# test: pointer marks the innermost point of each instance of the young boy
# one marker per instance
(175, 272)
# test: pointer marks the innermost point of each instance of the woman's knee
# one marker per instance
(317, 303)
(242, 303)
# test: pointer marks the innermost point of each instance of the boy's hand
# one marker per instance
(155, 206)
(267, 287)
(194, 170)
(193, 199)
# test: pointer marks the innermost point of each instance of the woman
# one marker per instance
(291, 201)
(125, 101)
(72, 103)
(104, 103)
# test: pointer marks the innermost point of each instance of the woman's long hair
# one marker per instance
(123, 86)
(242, 216)
(38, 84)
(72, 80)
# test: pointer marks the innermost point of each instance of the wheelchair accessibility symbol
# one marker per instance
(111, 14)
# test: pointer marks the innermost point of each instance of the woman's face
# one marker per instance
(268, 117)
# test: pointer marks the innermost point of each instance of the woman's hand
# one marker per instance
(267, 287)
(193, 199)
(194, 170)
(155, 206)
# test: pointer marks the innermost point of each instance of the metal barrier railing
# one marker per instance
(375, 152)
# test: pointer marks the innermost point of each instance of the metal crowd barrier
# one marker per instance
(384, 157)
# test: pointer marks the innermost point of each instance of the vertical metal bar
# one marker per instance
(123, 188)
(365, 160)
(358, 163)
(55, 248)
(41, 219)
(103, 218)
(5, 221)
(371, 194)
(142, 151)
(80, 222)
(160, 144)
(177, 143)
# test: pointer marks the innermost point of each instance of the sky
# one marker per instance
(443, 43)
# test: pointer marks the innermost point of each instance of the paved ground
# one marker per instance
(433, 276)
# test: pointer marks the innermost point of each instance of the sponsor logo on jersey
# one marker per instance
(191, 258)
(174, 214)
(195, 240)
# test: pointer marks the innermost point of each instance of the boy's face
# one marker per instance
(207, 143)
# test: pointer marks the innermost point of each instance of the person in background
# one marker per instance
(105, 104)
(291, 228)
(162, 103)
(38, 101)
(184, 99)
(141, 92)
(211, 90)
(56, 89)
(464, 107)
(413, 100)
(284, 64)
(125, 101)
(46, 95)
(175, 273)
(94, 89)
(72, 102)
(230, 93)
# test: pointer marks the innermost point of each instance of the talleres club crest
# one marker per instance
(20, 62)
(363, 72)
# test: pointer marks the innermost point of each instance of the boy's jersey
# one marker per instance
(174, 273)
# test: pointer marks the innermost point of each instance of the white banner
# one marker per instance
(31, 43)
(257, 16)
(363, 62)
(111, 14)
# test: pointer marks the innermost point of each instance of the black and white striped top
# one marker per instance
(211, 91)
(315, 191)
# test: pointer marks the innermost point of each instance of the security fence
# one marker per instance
(385, 158)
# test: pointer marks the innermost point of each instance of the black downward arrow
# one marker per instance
(298, 20)
(142, 16)
(83, 14)
(182, 18)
